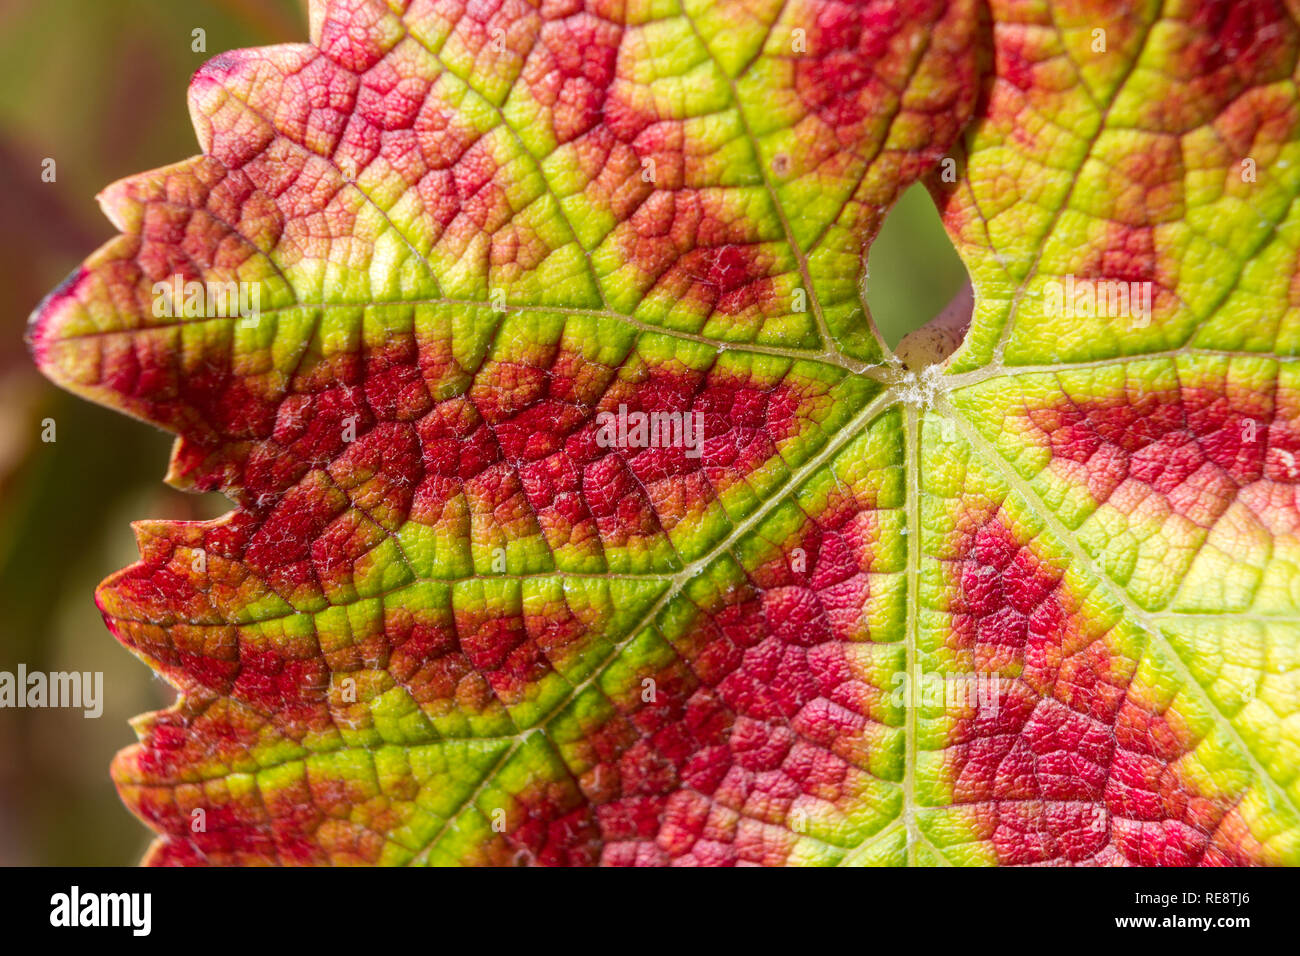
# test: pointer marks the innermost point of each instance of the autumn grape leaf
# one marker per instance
(1035, 602)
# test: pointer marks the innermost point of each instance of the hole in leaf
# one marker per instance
(913, 275)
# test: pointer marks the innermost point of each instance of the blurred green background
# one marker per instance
(99, 86)
(913, 271)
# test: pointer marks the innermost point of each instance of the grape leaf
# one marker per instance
(1036, 601)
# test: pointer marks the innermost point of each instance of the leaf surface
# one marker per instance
(1037, 603)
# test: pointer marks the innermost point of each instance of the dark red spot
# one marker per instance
(1072, 767)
